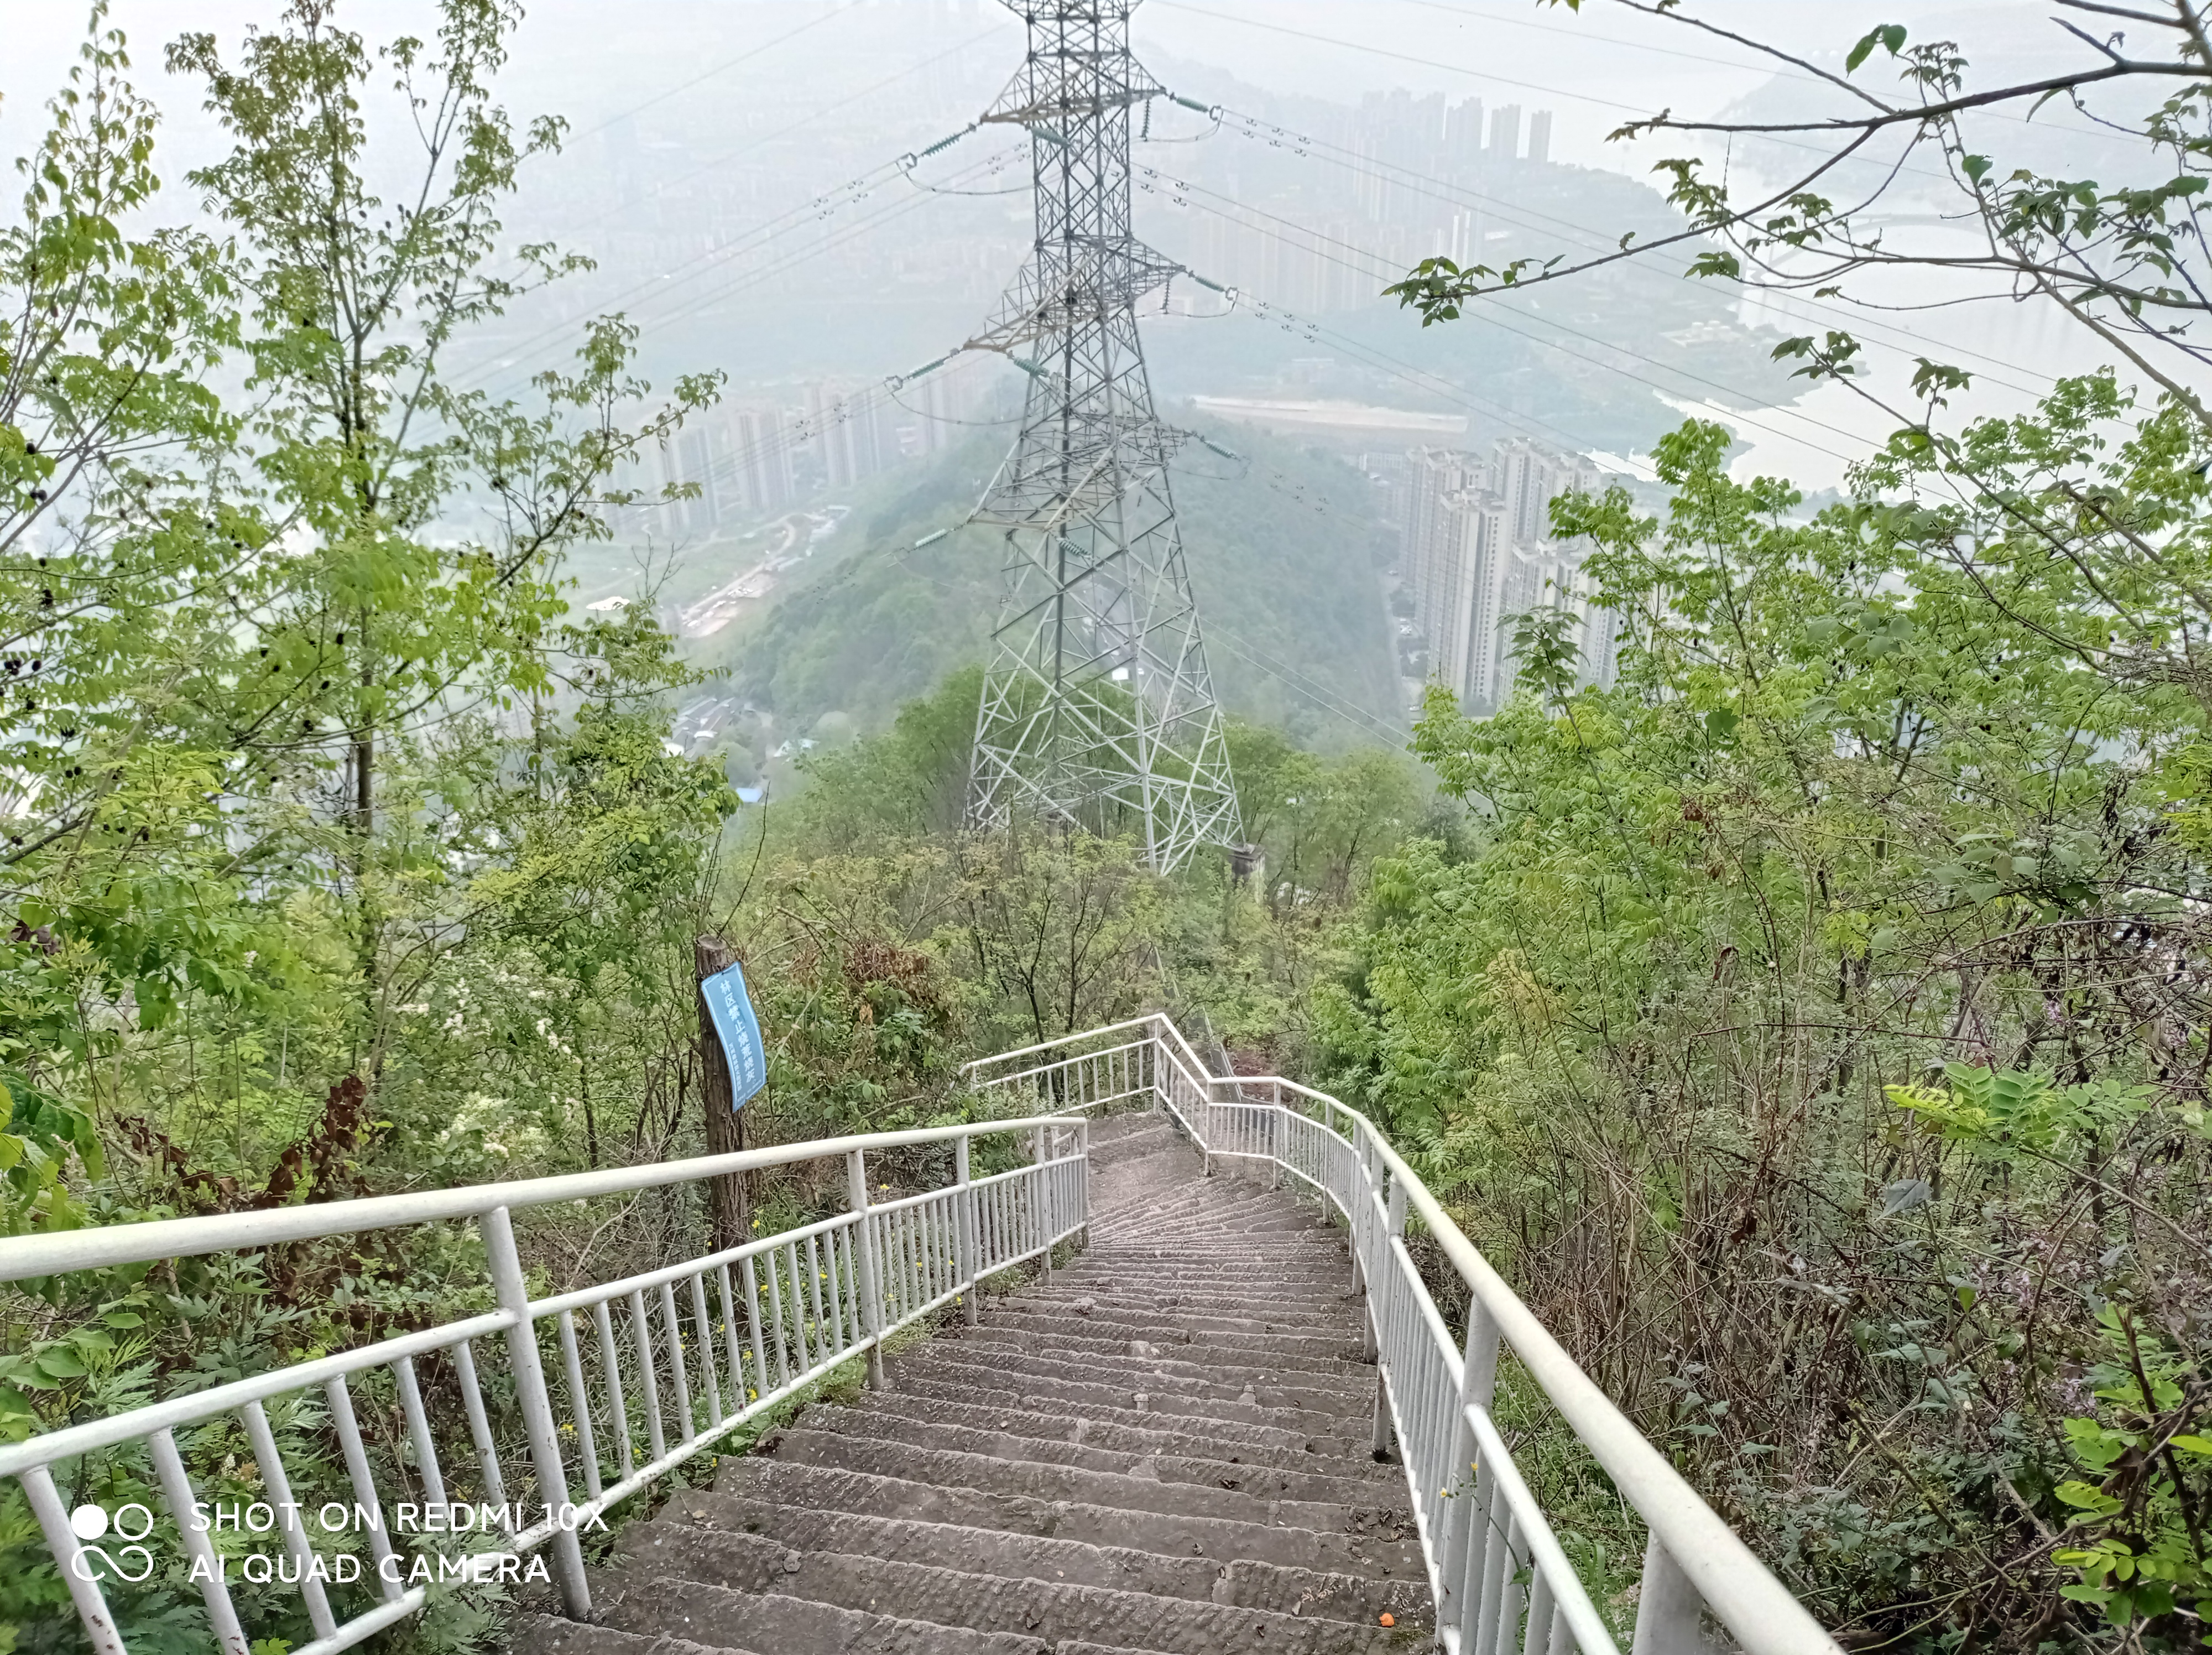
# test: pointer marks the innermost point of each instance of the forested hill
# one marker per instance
(1286, 555)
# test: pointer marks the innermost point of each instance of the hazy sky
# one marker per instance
(694, 60)
(1595, 68)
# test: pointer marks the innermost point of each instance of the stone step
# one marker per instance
(1131, 1117)
(1229, 1357)
(1344, 1440)
(1283, 1239)
(1159, 1160)
(1042, 1482)
(1137, 1317)
(1122, 1149)
(1194, 1196)
(1151, 1269)
(1065, 1322)
(546, 1634)
(977, 1370)
(1161, 1449)
(1251, 1204)
(1249, 1291)
(1335, 1390)
(946, 1545)
(1276, 1246)
(676, 1606)
(1123, 1206)
(1153, 1438)
(1314, 1486)
(1377, 1550)
(1343, 1310)
(1243, 1581)
(959, 1598)
(1139, 1257)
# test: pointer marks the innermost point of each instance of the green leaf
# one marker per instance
(2086, 1497)
(1890, 36)
(1721, 722)
(60, 1362)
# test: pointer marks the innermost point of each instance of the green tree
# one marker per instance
(360, 450)
(1853, 809)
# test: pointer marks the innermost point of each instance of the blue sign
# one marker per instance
(731, 1009)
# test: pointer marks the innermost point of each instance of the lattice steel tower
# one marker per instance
(1097, 707)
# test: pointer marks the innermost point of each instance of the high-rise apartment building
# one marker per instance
(1540, 136)
(1505, 132)
(762, 459)
(1463, 134)
(1480, 552)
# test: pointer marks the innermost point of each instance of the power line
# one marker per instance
(838, 195)
(724, 160)
(1326, 699)
(721, 68)
(825, 207)
(1491, 20)
(729, 467)
(1549, 344)
(1417, 183)
(822, 206)
(1481, 75)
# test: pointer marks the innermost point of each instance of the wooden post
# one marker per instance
(731, 1199)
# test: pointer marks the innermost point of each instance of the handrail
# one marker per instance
(72, 1441)
(788, 1308)
(1755, 1607)
(1036, 1069)
(52, 1253)
(1144, 1022)
(1437, 1398)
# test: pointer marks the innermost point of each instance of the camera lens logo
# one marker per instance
(130, 1521)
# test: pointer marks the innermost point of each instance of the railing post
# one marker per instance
(1083, 1143)
(1477, 1389)
(872, 1297)
(1363, 1239)
(1205, 1127)
(1669, 1613)
(1040, 1194)
(971, 1272)
(61, 1540)
(1376, 1306)
(1275, 1138)
(513, 1296)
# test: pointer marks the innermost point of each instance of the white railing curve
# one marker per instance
(619, 1384)
(1500, 1580)
(650, 1369)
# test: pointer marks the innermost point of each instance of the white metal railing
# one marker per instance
(1500, 1580)
(648, 1371)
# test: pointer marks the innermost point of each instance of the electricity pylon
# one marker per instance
(1097, 708)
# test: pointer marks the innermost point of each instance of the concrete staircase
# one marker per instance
(1165, 1448)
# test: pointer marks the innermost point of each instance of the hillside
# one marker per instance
(1285, 551)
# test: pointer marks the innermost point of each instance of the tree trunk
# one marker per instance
(730, 1199)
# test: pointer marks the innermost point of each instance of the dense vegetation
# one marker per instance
(1817, 1031)
(1813, 1024)
(1285, 553)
